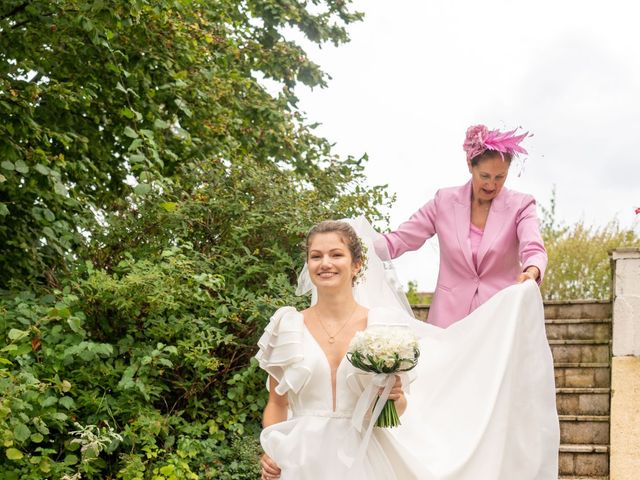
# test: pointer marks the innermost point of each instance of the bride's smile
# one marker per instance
(330, 262)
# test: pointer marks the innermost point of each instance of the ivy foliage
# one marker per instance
(153, 197)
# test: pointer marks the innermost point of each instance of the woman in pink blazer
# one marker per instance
(489, 236)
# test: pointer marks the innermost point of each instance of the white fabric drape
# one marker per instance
(483, 402)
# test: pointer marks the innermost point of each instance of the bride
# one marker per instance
(482, 405)
(304, 354)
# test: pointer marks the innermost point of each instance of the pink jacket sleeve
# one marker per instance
(531, 247)
(412, 234)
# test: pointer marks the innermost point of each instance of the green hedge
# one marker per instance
(153, 195)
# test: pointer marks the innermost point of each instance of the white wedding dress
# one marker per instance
(318, 442)
(482, 406)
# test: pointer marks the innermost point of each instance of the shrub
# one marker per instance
(579, 265)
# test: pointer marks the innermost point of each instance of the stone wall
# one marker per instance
(625, 366)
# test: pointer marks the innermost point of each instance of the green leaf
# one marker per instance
(166, 362)
(167, 470)
(43, 169)
(4, 211)
(67, 402)
(59, 188)
(2, 178)
(160, 124)
(15, 334)
(75, 324)
(130, 132)
(169, 206)
(87, 24)
(60, 416)
(21, 432)
(142, 189)
(137, 158)
(147, 133)
(70, 459)
(59, 311)
(21, 167)
(135, 144)
(37, 437)
(40, 425)
(49, 233)
(48, 214)
(22, 349)
(14, 454)
(48, 402)
(127, 113)
(45, 465)
(103, 349)
(7, 165)
(181, 104)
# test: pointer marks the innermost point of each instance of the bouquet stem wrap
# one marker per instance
(383, 352)
(371, 399)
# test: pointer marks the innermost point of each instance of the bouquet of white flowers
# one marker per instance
(387, 351)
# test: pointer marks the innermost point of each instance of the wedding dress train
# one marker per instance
(483, 406)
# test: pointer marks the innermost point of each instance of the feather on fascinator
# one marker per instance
(480, 139)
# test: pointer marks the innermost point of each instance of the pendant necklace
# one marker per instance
(332, 338)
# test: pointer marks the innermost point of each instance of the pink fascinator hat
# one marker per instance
(480, 139)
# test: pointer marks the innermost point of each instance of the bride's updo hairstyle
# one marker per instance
(349, 237)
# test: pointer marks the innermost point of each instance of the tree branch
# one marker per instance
(15, 11)
(20, 24)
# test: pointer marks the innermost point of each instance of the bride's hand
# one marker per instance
(397, 395)
(397, 392)
(269, 468)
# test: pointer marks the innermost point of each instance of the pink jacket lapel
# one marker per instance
(462, 208)
(495, 222)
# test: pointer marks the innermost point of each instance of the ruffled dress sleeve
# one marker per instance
(281, 350)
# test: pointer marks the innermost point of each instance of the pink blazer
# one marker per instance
(511, 242)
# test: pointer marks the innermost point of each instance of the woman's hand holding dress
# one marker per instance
(531, 273)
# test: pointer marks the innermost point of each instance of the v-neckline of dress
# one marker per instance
(333, 380)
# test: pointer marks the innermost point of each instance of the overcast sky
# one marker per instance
(417, 73)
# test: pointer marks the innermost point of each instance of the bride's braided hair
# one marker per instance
(357, 249)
